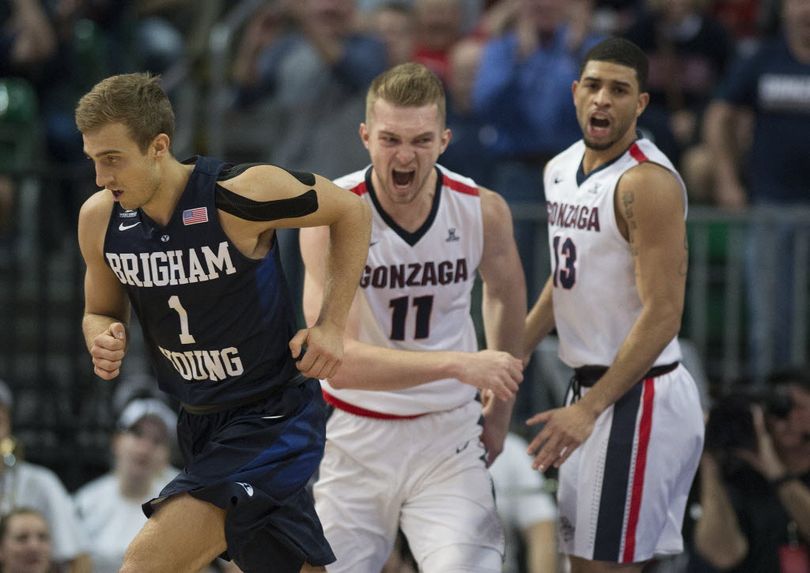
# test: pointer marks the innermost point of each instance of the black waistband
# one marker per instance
(587, 376)
(202, 409)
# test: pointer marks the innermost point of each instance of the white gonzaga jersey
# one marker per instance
(595, 297)
(416, 290)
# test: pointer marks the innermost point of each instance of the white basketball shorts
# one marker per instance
(623, 492)
(425, 475)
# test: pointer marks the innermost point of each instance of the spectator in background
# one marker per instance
(26, 37)
(523, 88)
(439, 25)
(309, 58)
(755, 482)
(689, 52)
(25, 542)
(771, 85)
(614, 17)
(467, 152)
(527, 511)
(744, 19)
(394, 23)
(109, 507)
(23, 484)
(27, 40)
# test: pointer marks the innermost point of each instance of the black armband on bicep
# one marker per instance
(251, 210)
(230, 171)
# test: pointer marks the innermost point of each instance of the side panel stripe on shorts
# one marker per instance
(637, 491)
(613, 499)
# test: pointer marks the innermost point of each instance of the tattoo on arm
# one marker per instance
(627, 204)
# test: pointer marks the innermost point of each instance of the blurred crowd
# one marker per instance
(286, 80)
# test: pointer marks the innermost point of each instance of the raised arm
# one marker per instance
(650, 211)
(106, 308)
(503, 306)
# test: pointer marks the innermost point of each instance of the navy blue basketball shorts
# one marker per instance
(255, 461)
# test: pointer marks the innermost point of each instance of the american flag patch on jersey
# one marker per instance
(196, 215)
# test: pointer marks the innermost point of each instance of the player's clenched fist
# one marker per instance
(493, 370)
(108, 351)
(317, 351)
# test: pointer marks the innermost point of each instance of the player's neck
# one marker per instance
(595, 158)
(412, 215)
(173, 179)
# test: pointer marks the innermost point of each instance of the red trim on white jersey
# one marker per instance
(459, 186)
(637, 154)
(360, 189)
(637, 491)
(358, 411)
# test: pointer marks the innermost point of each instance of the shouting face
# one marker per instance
(608, 102)
(404, 144)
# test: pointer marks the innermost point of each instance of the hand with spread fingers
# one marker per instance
(565, 429)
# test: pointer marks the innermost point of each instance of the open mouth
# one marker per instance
(600, 122)
(599, 125)
(402, 178)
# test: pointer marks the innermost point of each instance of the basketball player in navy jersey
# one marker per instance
(628, 441)
(407, 393)
(190, 246)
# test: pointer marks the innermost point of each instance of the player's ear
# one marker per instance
(446, 136)
(643, 100)
(364, 134)
(161, 145)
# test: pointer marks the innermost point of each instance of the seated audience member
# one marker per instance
(23, 484)
(25, 542)
(109, 507)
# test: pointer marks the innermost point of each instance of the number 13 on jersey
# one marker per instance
(565, 259)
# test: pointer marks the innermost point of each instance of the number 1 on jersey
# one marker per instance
(185, 336)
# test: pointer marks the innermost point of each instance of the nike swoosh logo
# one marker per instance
(272, 417)
(123, 227)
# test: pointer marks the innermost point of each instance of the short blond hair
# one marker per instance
(135, 100)
(407, 85)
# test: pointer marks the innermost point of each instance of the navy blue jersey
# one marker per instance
(217, 323)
